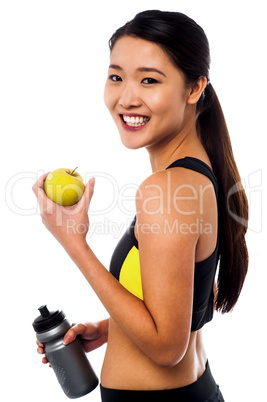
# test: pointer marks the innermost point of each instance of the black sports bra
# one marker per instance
(125, 264)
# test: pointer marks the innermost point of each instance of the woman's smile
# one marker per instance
(133, 122)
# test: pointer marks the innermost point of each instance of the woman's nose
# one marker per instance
(129, 97)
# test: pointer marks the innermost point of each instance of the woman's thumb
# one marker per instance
(70, 336)
(88, 193)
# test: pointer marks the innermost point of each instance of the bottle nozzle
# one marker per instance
(47, 319)
(44, 311)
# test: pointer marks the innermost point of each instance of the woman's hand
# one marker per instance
(93, 335)
(68, 225)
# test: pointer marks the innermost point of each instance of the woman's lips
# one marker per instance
(133, 122)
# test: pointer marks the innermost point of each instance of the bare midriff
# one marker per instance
(127, 367)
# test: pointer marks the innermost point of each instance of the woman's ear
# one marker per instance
(197, 90)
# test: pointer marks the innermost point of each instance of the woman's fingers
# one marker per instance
(72, 333)
(46, 205)
(40, 348)
(39, 344)
(44, 360)
(39, 184)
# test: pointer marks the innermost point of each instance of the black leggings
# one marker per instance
(204, 389)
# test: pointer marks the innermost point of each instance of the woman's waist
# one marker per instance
(202, 389)
(127, 367)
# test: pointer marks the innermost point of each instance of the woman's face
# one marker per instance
(145, 94)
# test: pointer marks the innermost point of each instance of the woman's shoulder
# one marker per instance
(176, 189)
(172, 180)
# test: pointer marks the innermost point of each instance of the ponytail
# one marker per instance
(233, 205)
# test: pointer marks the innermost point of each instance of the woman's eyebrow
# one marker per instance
(140, 69)
(115, 67)
(151, 69)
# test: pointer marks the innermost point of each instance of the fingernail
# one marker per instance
(66, 340)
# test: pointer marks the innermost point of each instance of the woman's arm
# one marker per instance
(159, 325)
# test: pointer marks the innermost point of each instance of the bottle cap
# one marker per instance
(48, 319)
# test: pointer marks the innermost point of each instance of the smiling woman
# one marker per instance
(161, 288)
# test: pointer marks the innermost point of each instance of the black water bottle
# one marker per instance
(69, 362)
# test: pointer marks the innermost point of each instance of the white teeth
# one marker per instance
(135, 121)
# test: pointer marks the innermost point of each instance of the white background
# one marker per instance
(54, 57)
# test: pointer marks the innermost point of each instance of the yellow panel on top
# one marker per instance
(130, 274)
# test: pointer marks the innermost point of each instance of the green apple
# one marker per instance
(64, 186)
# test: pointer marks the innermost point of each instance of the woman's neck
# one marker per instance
(187, 144)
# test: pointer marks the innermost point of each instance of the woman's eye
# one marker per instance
(115, 78)
(149, 81)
